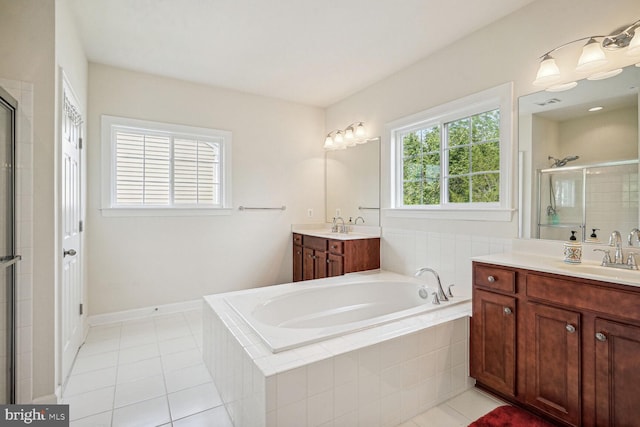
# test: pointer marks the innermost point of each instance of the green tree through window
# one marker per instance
(469, 168)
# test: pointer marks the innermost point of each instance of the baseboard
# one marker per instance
(142, 313)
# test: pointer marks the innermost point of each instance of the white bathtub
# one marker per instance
(294, 315)
(375, 353)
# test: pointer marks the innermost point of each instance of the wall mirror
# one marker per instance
(353, 183)
(578, 154)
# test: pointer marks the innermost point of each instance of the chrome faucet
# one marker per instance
(343, 227)
(441, 295)
(356, 221)
(615, 240)
(635, 232)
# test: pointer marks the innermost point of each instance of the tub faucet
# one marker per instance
(615, 240)
(441, 295)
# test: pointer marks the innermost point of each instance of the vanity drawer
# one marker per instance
(336, 247)
(315, 243)
(592, 296)
(492, 277)
(297, 239)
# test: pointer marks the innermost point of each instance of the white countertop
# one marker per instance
(320, 230)
(586, 270)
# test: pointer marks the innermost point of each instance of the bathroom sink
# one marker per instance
(602, 273)
(339, 236)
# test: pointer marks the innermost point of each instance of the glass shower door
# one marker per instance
(8, 258)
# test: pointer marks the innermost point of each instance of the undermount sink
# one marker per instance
(602, 272)
(338, 236)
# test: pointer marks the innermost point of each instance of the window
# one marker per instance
(455, 157)
(162, 166)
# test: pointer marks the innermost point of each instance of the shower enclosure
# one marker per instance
(8, 257)
(601, 197)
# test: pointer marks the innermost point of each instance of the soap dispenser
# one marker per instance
(573, 250)
(594, 237)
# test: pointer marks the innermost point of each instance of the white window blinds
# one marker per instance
(164, 170)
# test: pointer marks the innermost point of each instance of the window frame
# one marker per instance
(499, 97)
(111, 124)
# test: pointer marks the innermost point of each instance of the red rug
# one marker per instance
(509, 416)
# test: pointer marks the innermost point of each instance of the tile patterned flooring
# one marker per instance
(150, 373)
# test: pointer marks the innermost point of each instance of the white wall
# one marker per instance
(278, 160)
(27, 52)
(505, 51)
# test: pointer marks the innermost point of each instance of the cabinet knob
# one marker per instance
(507, 310)
(491, 279)
(601, 337)
(570, 328)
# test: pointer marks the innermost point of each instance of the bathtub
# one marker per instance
(296, 315)
(359, 349)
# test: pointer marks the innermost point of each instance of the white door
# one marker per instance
(71, 286)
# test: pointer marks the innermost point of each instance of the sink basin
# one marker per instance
(599, 272)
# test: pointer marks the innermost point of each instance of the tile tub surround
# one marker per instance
(380, 376)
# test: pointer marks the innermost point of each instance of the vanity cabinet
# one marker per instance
(317, 257)
(563, 347)
(552, 359)
(493, 358)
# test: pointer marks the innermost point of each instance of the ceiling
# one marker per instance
(314, 52)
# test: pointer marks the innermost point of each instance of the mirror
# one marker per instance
(579, 168)
(353, 183)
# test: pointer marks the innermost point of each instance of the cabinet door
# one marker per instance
(308, 264)
(553, 361)
(335, 265)
(297, 263)
(617, 373)
(493, 341)
(320, 264)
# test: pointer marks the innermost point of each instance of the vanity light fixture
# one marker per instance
(593, 109)
(340, 139)
(593, 58)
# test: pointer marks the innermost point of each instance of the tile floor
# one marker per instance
(150, 373)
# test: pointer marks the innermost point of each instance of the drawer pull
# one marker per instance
(570, 328)
(491, 279)
(507, 311)
(601, 337)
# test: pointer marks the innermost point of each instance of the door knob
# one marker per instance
(70, 252)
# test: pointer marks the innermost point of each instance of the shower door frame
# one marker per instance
(12, 103)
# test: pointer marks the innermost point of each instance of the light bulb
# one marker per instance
(634, 44)
(338, 139)
(348, 133)
(360, 132)
(548, 72)
(592, 56)
(328, 143)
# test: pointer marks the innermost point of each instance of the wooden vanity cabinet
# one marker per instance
(316, 257)
(493, 358)
(570, 351)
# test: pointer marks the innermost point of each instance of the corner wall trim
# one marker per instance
(146, 312)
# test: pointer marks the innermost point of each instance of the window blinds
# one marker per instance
(163, 170)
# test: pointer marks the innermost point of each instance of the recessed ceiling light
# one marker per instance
(595, 109)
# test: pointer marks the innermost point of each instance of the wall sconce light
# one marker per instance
(341, 139)
(593, 58)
